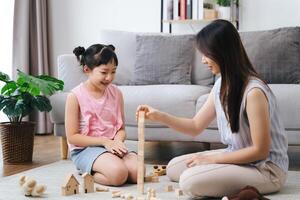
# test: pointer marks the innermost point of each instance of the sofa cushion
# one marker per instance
(58, 102)
(275, 53)
(124, 43)
(179, 100)
(287, 96)
(163, 59)
(70, 71)
(201, 74)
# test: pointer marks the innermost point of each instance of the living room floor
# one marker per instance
(46, 151)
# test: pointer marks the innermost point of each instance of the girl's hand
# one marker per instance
(200, 159)
(150, 113)
(116, 147)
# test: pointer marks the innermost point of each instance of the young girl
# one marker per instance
(95, 120)
(248, 121)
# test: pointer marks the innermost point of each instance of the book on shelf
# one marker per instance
(188, 9)
(182, 9)
(176, 10)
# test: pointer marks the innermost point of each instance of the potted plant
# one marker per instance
(224, 9)
(209, 13)
(17, 100)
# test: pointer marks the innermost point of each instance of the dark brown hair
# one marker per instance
(96, 55)
(220, 41)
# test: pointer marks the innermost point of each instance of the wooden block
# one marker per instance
(148, 178)
(116, 194)
(141, 143)
(127, 196)
(155, 179)
(178, 192)
(169, 188)
(153, 193)
(102, 189)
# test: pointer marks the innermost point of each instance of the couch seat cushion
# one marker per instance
(288, 99)
(179, 100)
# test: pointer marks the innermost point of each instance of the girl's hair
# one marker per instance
(96, 55)
(220, 41)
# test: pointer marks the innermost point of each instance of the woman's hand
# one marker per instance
(116, 147)
(150, 113)
(200, 159)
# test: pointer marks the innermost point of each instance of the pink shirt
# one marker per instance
(99, 117)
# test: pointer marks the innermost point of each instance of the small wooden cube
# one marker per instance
(148, 178)
(169, 188)
(155, 179)
(102, 189)
(115, 194)
(178, 192)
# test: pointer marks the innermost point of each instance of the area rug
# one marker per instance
(54, 174)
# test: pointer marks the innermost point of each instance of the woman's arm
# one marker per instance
(192, 126)
(72, 114)
(257, 109)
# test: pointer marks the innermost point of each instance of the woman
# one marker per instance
(248, 122)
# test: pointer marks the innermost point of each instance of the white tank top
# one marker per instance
(242, 139)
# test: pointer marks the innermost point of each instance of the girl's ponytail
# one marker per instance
(79, 51)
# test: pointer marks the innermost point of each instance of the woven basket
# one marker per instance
(17, 142)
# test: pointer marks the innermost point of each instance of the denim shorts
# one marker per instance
(85, 158)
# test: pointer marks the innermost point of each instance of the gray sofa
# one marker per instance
(186, 99)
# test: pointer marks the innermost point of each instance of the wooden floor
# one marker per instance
(47, 150)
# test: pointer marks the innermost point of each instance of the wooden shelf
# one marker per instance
(187, 21)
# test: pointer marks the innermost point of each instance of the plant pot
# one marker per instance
(17, 142)
(210, 14)
(224, 13)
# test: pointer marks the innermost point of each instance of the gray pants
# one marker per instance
(217, 180)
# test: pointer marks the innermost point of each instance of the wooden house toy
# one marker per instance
(70, 186)
(88, 183)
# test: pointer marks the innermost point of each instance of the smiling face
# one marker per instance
(101, 76)
(212, 65)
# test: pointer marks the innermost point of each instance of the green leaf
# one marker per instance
(46, 84)
(4, 77)
(27, 97)
(59, 84)
(9, 88)
(42, 103)
(19, 98)
(23, 108)
(9, 106)
(1, 103)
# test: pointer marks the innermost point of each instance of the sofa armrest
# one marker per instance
(58, 102)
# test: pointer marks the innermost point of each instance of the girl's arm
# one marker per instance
(121, 134)
(257, 109)
(72, 114)
(192, 126)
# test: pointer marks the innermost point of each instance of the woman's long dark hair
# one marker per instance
(220, 41)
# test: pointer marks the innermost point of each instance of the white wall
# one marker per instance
(78, 22)
(268, 14)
